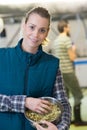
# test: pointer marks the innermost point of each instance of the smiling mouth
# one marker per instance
(34, 40)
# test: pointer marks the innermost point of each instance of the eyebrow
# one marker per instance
(35, 25)
(40, 27)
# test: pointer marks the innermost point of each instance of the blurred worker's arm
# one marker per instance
(72, 53)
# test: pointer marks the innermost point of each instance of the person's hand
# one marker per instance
(74, 47)
(50, 126)
(38, 105)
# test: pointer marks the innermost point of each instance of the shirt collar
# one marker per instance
(26, 56)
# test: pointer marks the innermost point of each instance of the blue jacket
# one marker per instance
(25, 73)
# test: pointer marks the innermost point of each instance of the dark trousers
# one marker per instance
(72, 86)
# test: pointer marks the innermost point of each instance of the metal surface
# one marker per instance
(54, 101)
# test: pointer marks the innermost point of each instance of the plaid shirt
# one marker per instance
(17, 103)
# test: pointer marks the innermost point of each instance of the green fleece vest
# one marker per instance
(25, 73)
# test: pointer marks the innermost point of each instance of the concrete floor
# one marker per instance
(72, 127)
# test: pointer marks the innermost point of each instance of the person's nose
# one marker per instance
(36, 33)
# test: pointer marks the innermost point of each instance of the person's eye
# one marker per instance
(31, 27)
(43, 30)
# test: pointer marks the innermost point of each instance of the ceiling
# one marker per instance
(55, 8)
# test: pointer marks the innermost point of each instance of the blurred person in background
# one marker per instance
(1, 25)
(65, 50)
(2, 33)
(2, 29)
(27, 73)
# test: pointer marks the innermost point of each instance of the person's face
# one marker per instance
(68, 30)
(35, 30)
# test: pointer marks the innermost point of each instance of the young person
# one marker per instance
(66, 52)
(27, 73)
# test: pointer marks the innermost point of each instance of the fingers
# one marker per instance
(46, 122)
(45, 102)
(44, 107)
(40, 106)
(39, 127)
(45, 125)
(42, 110)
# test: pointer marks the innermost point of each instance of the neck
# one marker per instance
(64, 34)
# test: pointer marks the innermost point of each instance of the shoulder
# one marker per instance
(6, 51)
(51, 61)
(62, 38)
(66, 41)
(68, 38)
(50, 57)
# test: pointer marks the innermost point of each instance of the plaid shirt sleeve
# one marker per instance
(12, 103)
(60, 94)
